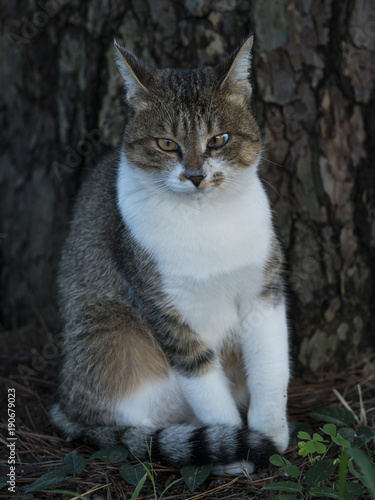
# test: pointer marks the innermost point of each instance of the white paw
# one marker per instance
(275, 429)
(280, 436)
(243, 467)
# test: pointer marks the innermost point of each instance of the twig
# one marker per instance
(362, 411)
(345, 404)
(214, 490)
(92, 491)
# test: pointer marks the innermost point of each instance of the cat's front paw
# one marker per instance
(280, 437)
(276, 429)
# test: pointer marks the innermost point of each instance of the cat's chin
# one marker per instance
(182, 190)
(198, 194)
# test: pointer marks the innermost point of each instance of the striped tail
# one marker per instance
(184, 444)
(177, 445)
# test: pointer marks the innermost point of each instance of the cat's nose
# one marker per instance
(195, 179)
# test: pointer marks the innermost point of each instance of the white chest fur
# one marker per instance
(210, 252)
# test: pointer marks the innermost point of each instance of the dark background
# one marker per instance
(314, 68)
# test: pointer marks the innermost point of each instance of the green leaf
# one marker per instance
(195, 475)
(357, 438)
(318, 437)
(284, 497)
(74, 463)
(349, 434)
(319, 471)
(329, 429)
(139, 487)
(310, 447)
(354, 472)
(133, 475)
(3, 482)
(111, 454)
(352, 491)
(366, 466)
(47, 480)
(365, 434)
(319, 447)
(357, 474)
(287, 486)
(292, 470)
(341, 441)
(337, 440)
(276, 460)
(304, 435)
(334, 415)
(295, 428)
(323, 492)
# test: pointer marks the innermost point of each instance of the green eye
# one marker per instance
(167, 144)
(218, 141)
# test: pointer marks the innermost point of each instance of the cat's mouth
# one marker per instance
(205, 190)
(195, 184)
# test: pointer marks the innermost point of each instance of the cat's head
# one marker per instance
(192, 131)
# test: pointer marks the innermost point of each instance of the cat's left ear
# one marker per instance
(237, 77)
(135, 74)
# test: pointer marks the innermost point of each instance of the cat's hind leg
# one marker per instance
(109, 354)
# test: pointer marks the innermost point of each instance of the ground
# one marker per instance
(40, 449)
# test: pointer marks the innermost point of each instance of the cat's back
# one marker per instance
(87, 268)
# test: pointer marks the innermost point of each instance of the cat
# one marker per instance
(171, 281)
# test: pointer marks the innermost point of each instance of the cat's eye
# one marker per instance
(167, 144)
(218, 141)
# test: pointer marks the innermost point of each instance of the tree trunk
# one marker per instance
(314, 65)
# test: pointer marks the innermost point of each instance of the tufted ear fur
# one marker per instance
(237, 77)
(135, 74)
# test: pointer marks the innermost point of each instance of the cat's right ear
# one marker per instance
(236, 79)
(134, 73)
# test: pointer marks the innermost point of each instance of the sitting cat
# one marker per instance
(171, 280)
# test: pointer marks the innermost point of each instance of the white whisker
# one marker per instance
(276, 191)
(272, 162)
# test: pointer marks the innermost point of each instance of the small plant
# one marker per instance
(316, 444)
(74, 465)
(136, 475)
(316, 481)
(192, 475)
(335, 467)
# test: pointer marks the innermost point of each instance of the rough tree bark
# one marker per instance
(314, 66)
